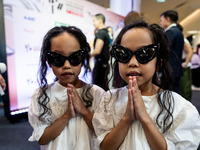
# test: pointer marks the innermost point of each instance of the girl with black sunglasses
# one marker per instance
(61, 112)
(143, 113)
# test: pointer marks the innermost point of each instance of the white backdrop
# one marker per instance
(26, 23)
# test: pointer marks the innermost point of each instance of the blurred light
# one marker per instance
(160, 1)
(193, 32)
(19, 111)
(188, 19)
(194, 36)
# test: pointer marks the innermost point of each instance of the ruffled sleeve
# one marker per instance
(103, 118)
(97, 93)
(33, 116)
(185, 131)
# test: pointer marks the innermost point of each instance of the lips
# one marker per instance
(133, 73)
(67, 74)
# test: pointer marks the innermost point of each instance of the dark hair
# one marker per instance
(131, 17)
(198, 46)
(162, 65)
(46, 46)
(101, 17)
(179, 27)
(172, 14)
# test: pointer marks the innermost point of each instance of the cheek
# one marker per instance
(77, 69)
(122, 71)
(150, 68)
(56, 70)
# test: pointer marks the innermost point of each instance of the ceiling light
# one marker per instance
(188, 19)
(193, 32)
(160, 1)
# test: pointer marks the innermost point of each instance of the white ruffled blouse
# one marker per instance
(184, 133)
(76, 135)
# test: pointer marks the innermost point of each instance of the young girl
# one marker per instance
(145, 114)
(61, 113)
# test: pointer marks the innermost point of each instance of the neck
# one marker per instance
(79, 84)
(149, 90)
(101, 26)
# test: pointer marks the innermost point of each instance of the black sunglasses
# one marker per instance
(143, 55)
(58, 60)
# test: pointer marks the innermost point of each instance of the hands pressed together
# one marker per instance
(75, 103)
(135, 108)
(76, 106)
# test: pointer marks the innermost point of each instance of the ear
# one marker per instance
(168, 19)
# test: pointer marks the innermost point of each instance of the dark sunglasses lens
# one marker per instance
(76, 58)
(56, 59)
(121, 55)
(145, 55)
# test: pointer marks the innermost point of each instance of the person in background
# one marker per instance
(3, 86)
(61, 112)
(196, 68)
(186, 79)
(110, 33)
(2, 82)
(145, 114)
(131, 17)
(101, 53)
(168, 20)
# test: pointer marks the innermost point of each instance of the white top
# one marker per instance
(184, 54)
(76, 135)
(171, 25)
(195, 60)
(183, 134)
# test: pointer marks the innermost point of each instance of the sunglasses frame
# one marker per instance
(136, 53)
(64, 58)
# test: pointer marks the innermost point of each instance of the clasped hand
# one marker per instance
(75, 103)
(135, 107)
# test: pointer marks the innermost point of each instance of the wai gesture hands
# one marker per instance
(76, 105)
(135, 107)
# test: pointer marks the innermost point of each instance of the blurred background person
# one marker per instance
(186, 79)
(195, 68)
(131, 17)
(110, 33)
(2, 83)
(3, 87)
(168, 20)
(101, 53)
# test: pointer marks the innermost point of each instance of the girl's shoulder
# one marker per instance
(94, 88)
(182, 106)
(113, 94)
(118, 90)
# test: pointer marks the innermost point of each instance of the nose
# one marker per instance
(133, 62)
(66, 65)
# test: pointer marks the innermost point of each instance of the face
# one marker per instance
(66, 45)
(135, 39)
(164, 22)
(96, 22)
